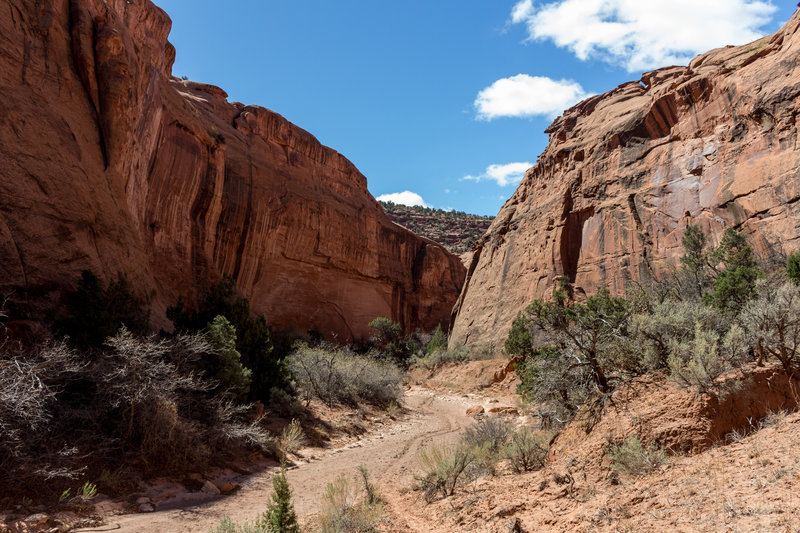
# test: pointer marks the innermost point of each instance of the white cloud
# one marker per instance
(641, 35)
(508, 174)
(526, 96)
(403, 198)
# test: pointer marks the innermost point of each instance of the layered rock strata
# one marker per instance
(714, 144)
(110, 163)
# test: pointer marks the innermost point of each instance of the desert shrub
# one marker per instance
(143, 387)
(65, 416)
(29, 387)
(700, 360)
(280, 516)
(94, 313)
(443, 468)
(336, 375)
(443, 357)
(348, 509)
(656, 331)
(292, 438)
(226, 525)
(488, 431)
(223, 364)
(552, 382)
(771, 322)
(253, 336)
(527, 449)
(630, 458)
(486, 438)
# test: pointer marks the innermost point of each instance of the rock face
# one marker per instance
(111, 164)
(714, 144)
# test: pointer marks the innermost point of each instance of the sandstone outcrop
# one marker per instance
(110, 163)
(714, 144)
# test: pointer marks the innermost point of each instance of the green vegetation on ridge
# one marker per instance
(455, 230)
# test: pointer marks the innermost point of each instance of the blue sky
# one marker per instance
(446, 99)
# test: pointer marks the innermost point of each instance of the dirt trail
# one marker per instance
(390, 455)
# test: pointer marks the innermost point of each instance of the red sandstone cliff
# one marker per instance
(109, 163)
(714, 144)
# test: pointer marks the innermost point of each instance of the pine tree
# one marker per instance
(280, 516)
(695, 259)
(735, 283)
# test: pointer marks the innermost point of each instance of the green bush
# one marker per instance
(630, 458)
(93, 312)
(392, 343)
(736, 275)
(793, 267)
(519, 342)
(280, 516)
(588, 333)
(438, 341)
(253, 338)
(224, 364)
(695, 262)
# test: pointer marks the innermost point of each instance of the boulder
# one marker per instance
(475, 410)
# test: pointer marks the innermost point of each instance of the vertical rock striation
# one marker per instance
(714, 144)
(109, 163)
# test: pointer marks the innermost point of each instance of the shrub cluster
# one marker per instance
(66, 415)
(340, 376)
(482, 446)
(253, 337)
(717, 312)
(630, 458)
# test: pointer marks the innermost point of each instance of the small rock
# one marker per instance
(504, 410)
(210, 488)
(143, 499)
(226, 486)
(146, 508)
(38, 519)
(475, 410)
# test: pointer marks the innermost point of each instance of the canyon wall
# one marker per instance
(110, 163)
(713, 144)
